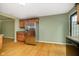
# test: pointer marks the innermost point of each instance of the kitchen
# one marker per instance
(30, 33)
(51, 29)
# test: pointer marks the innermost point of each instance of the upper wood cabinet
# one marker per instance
(78, 13)
(22, 23)
(33, 20)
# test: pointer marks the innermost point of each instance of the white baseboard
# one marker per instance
(9, 37)
(69, 44)
(53, 42)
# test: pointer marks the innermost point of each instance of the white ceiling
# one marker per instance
(35, 9)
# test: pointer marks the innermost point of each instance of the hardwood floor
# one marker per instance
(41, 49)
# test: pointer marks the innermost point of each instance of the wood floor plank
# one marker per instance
(40, 49)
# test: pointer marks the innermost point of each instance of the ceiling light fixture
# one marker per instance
(22, 3)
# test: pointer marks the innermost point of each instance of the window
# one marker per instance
(74, 27)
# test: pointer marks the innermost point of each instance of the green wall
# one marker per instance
(0, 27)
(54, 28)
(51, 28)
(7, 26)
(8, 29)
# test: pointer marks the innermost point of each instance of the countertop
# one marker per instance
(21, 31)
(74, 38)
(1, 35)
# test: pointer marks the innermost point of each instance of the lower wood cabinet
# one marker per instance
(21, 36)
(27, 37)
(1, 41)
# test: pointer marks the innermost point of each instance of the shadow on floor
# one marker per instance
(72, 50)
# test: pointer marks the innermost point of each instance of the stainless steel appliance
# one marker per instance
(32, 33)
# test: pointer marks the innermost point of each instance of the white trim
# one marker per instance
(9, 37)
(56, 43)
(15, 31)
(13, 17)
(15, 37)
(70, 13)
(69, 44)
(53, 42)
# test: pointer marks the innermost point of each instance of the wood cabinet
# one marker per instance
(21, 36)
(25, 22)
(78, 13)
(22, 23)
(1, 41)
(30, 38)
(33, 20)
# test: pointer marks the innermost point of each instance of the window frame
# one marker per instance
(71, 22)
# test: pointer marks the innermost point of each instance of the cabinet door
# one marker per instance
(1, 41)
(78, 13)
(21, 36)
(22, 23)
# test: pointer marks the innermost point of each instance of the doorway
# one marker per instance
(8, 29)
